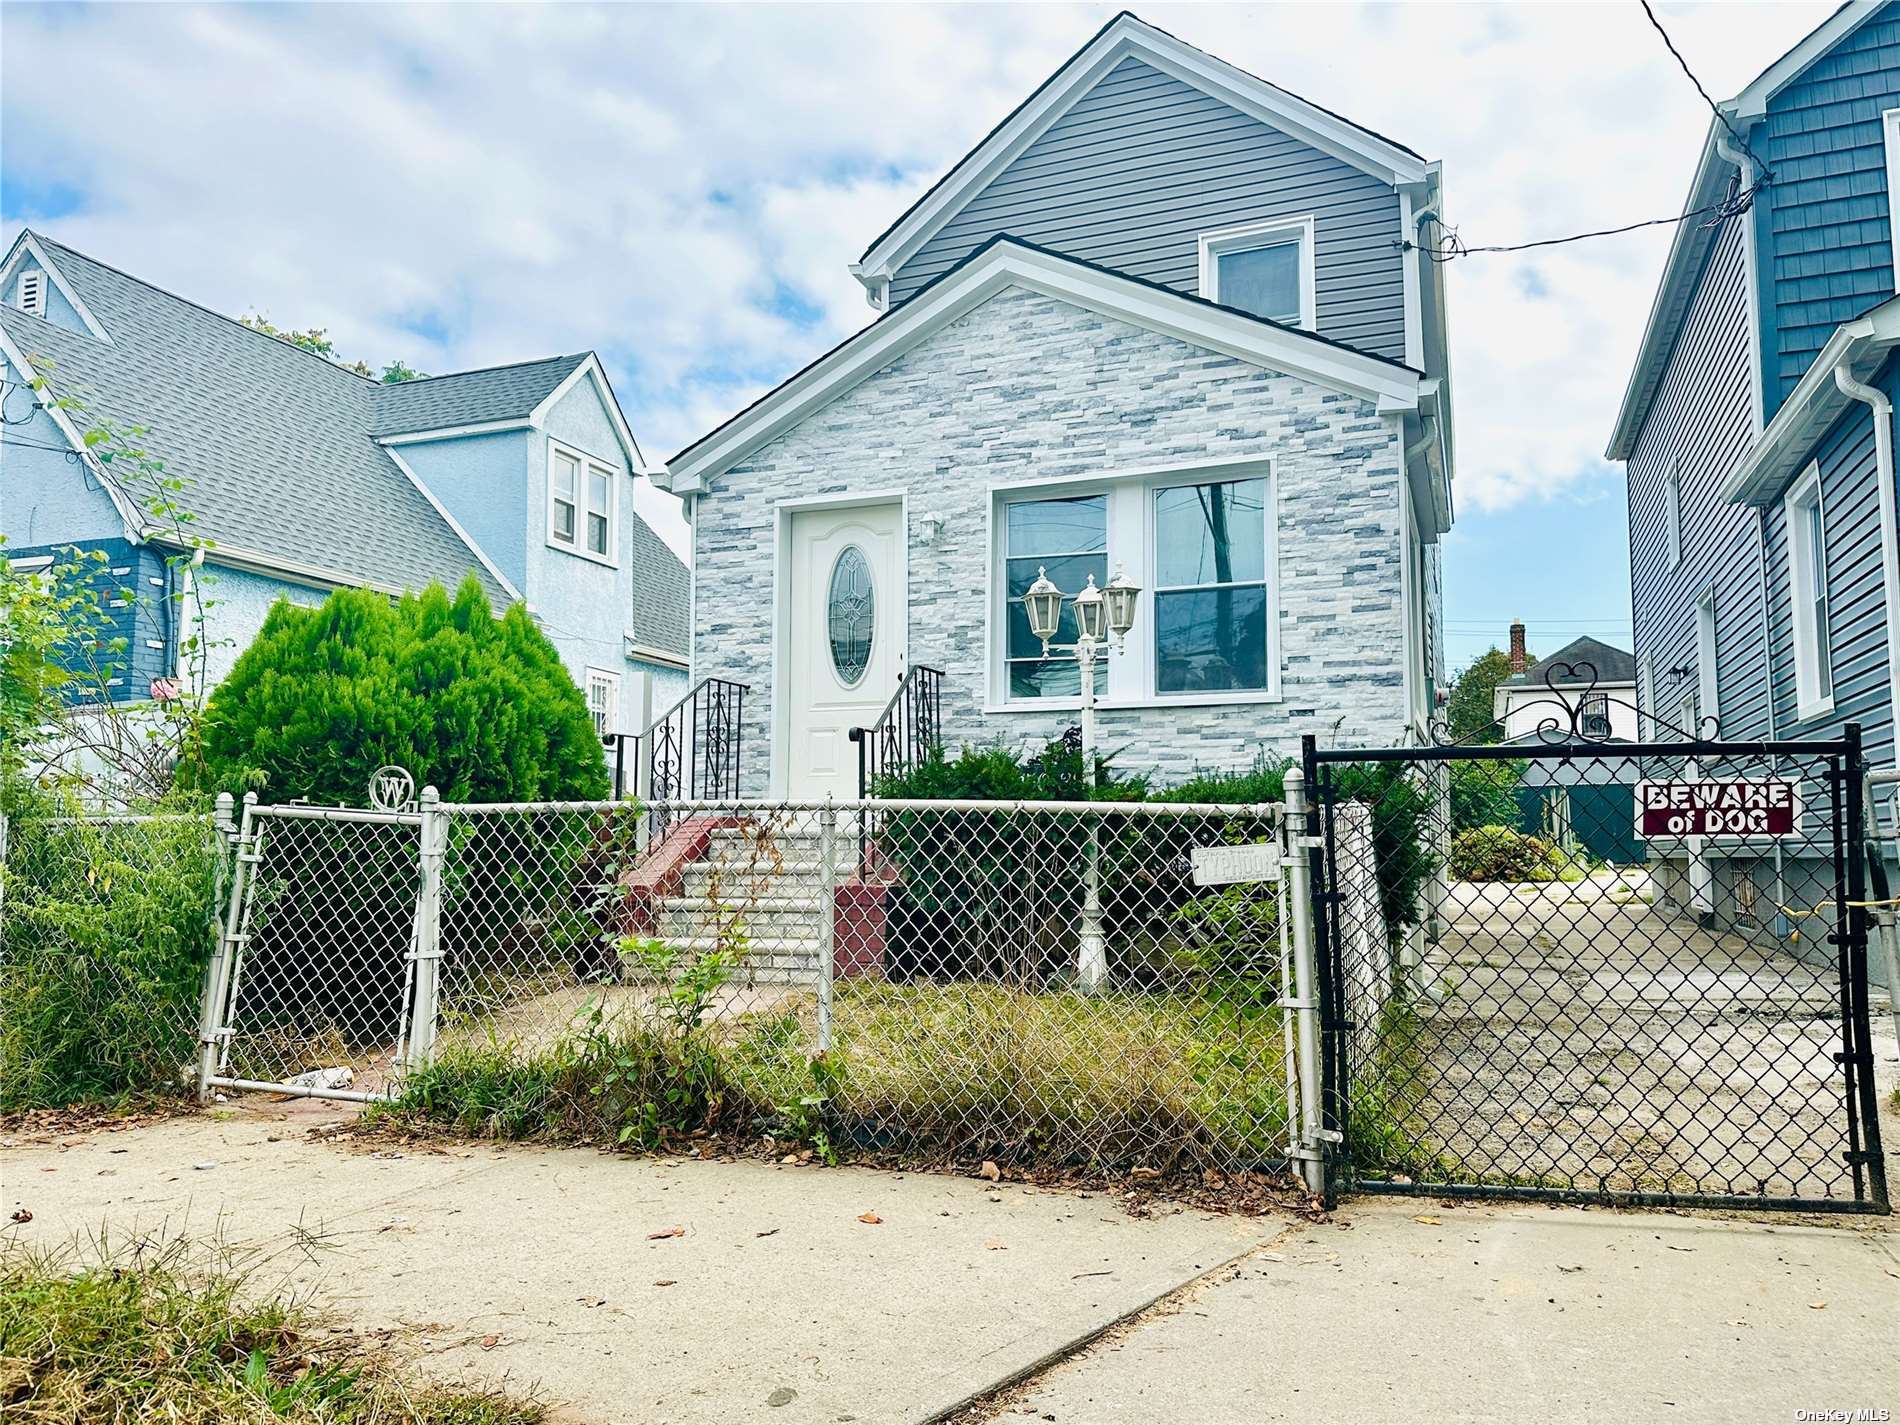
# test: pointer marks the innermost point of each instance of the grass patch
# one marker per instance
(939, 1071)
(153, 1335)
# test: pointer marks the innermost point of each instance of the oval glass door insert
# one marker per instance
(851, 614)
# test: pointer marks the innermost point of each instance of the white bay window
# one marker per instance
(1200, 543)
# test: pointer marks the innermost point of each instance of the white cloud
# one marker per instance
(681, 187)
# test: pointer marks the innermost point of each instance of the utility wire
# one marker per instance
(1739, 200)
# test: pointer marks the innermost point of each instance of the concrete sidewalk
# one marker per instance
(1408, 1311)
(556, 1267)
(525, 1266)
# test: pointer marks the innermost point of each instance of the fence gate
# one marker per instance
(1574, 967)
(312, 987)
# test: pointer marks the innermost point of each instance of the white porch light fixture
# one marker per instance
(1099, 613)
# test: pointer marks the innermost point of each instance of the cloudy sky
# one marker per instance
(680, 188)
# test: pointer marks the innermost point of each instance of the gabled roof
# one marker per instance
(1612, 666)
(466, 398)
(1123, 37)
(1689, 249)
(1006, 261)
(278, 444)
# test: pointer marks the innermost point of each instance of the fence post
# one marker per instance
(432, 842)
(828, 937)
(1307, 1147)
(241, 842)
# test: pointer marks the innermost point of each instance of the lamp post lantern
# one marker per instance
(1099, 614)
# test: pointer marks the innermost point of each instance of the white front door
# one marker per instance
(845, 643)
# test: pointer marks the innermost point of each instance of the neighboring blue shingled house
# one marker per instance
(1758, 426)
(1167, 316)
(305, 477)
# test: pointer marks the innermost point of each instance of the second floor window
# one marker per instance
(581, 495)
(1264, 268)
(1807, 579)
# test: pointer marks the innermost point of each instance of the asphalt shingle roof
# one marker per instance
(275, 442)
(662, 593)
(498, 393)
(1612, 665)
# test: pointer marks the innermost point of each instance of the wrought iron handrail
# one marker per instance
(905, 732)
(692, 749)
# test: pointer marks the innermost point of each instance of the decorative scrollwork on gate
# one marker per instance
(1573, 707)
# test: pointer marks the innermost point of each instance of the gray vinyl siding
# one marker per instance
(1850, 514)
(1143, 164)
(1702, 423)
(1822, 231)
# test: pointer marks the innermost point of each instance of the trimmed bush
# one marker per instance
(1498, 853)
(480, 707)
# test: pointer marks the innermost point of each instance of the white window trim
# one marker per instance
(578, 547)
(1708, 667)
(1807, 672)
(1890, 138)
(1248, 236)
(1672, 513)
(1127, 679)
(609, 680)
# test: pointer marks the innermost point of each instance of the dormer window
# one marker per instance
(1265, 268)
(582, 499)
(30, 293)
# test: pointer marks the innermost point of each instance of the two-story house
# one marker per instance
(1166, 319)
(301, 476)
(1758, 425)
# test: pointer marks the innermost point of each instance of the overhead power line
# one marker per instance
(1739, 200)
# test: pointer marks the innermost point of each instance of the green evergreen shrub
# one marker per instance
(479, 707)
(1498, 853)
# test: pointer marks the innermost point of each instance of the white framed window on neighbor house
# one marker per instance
(583, 497)
(1646, 697)
(1672, 514)
(603, 700)
(1265, 268)
(1807, 588)
(1708, 679)
(1201, 544)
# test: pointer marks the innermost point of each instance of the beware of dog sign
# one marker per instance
(1743, 806)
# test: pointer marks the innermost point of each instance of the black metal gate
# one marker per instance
(1526, 992)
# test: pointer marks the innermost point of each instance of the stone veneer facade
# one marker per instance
(1025, 388)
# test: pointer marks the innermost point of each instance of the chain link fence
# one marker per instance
(1631, 976)
(106, 926)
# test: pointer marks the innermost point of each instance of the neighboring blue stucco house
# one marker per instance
(1758, 425)
(305, 477)
(1166, 317)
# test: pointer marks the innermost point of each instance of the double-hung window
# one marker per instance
(1807, 571)
(581, 496)
(1210, 582)
(1265, 268)
(1068, 538)
(1200, 545)
(603, 701)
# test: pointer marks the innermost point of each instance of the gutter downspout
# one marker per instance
(1882, 409)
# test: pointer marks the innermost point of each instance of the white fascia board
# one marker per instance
(257, 561)
(1681, 270)
(640, 652)
(417, 437)
(590, 370)
(1752, 102)
(1127, 37)
(468, 540)
(1859, 347)
(136, 526)
(27, 243)
(1391, 388)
